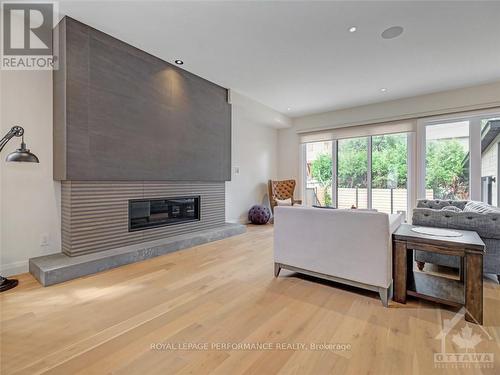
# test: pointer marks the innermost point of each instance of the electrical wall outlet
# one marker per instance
(44, 240)
(236, 171)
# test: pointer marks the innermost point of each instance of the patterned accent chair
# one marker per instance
(281, 190)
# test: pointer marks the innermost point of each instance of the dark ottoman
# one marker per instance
(259, 214)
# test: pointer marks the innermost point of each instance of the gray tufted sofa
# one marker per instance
(429, 213)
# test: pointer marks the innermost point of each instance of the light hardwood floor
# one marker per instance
(224, 292)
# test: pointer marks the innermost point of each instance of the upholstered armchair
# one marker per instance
(281, 190)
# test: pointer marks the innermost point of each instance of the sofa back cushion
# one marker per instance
(480, 207)
(438, 204)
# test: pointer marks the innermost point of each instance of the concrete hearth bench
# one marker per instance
(57, 268)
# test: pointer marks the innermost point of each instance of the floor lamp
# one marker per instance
(22, 154)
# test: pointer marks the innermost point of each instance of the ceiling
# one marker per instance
(299, 57)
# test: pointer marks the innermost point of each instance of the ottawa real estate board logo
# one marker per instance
(27, 35)
(464, 345)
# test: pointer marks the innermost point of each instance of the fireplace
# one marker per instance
(158, 212)
(104, 215)
(107, 224)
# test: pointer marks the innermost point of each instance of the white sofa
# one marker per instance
(348, 246)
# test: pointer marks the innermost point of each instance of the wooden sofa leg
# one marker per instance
(384, 296)
(420, 265)
(277, 269)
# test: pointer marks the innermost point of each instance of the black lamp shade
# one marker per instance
(22, 155)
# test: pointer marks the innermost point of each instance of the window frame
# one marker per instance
(474, 118)
(410, 147)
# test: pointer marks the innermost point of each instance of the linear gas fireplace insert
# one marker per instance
(158, 212)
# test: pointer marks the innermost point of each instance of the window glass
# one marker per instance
(447, 161)
(353, 173)
(319, 173)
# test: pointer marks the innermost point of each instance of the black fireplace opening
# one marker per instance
(158, 212)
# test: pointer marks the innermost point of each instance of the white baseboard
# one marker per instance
(14, 268)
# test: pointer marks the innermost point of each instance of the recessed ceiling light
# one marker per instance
(383, 89)
(392, 32)
(288, 109)
(179, 62)
(353, 29)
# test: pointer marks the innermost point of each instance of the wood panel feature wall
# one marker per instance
(121, 114)
(95, 213)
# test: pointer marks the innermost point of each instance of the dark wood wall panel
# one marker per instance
(131, 116)
(95, 214)
(59, 103)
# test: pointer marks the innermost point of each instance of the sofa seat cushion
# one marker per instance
(439, 259)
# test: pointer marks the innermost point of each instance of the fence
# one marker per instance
(383, 200)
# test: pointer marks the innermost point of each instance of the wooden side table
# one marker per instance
(468, 291)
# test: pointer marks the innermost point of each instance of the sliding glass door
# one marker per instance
(352, 172)
(447, 160)
(319, 174)
(389, 166)
(459, 156)
(363, 172)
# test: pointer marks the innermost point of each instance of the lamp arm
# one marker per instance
(16, 131)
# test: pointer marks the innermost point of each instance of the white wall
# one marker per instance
(29, 198)
(288, 153)
(254, 152)
(460, 100)
(470, 98)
